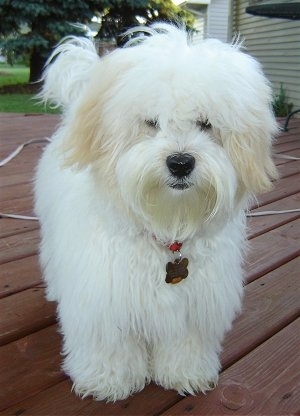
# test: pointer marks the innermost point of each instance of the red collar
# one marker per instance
(176, 246)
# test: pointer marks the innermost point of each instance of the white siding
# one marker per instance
(200, 26)
(276, 44)
(218, 17)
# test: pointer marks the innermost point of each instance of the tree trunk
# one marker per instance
(37, 62)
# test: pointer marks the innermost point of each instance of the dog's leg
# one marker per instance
(188, 365)
(109, 370)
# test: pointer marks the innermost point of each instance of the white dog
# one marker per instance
(141, 197)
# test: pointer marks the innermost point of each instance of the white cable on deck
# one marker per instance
(18, 217)
(249, 214)
(19, 149)
(262, 213)
(283, 156)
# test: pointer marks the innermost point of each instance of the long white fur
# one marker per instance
(63, 87)
(107, 210)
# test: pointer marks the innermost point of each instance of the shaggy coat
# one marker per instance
(110, 203)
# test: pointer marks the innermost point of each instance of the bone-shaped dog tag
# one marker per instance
(177, 271)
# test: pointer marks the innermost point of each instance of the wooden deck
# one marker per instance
(261, 364)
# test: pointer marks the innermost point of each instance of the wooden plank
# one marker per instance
(270, 303)
(11, 226)
(18, 246)
(289, 169)
(260, 225)
(265, 382)
(289, 136)
(19, 128)
(287, 146)
(52, 401)
(16, 190)
(270, 250)
(280, 161)
(282, 188)
(23, 164)
(33, 148)
(19, 275)
(16, 179)
(29, 365)
(18, 205)
(59, 400)
(30, 313)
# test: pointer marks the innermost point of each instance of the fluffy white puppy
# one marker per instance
(141, 197)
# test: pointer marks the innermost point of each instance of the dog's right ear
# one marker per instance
(67, 71)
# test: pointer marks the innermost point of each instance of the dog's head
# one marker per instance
(181, 133)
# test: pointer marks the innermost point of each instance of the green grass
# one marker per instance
(19, 102)
(23, 103)
(17, 74)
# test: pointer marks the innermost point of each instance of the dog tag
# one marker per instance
(177, 271)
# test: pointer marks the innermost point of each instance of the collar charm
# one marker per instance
(176, 270)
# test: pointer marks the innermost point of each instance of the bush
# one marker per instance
(281, 105)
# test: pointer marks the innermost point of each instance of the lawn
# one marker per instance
(22, 103)
(15, 96)
(10, 75)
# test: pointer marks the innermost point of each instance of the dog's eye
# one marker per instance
(203, 125)
(152, 123)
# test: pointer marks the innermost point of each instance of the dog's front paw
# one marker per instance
(109, 374)
(194, 370)
(194, 386)
(109, 390)
(188, 385)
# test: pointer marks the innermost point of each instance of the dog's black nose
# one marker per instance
(180, 164)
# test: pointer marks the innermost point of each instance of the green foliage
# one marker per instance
(281, 105)
(40, 24)
(123, 14)
(31, 28)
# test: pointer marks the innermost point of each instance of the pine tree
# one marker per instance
(33, 27)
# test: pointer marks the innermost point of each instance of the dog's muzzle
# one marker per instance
(181, 166)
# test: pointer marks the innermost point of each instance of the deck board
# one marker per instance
(260, 352)
(256, 384)
(31, 312)
(19, 275)
(16, 247)
(29, 365)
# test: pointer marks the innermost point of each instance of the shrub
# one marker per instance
(281, 105)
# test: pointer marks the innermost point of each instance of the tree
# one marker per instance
(34, 27)
(123, 14)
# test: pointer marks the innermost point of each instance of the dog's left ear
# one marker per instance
(248, 138)
(250, 153)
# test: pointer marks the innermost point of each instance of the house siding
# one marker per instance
(276, 44)
(200, 26)
(218, 19)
